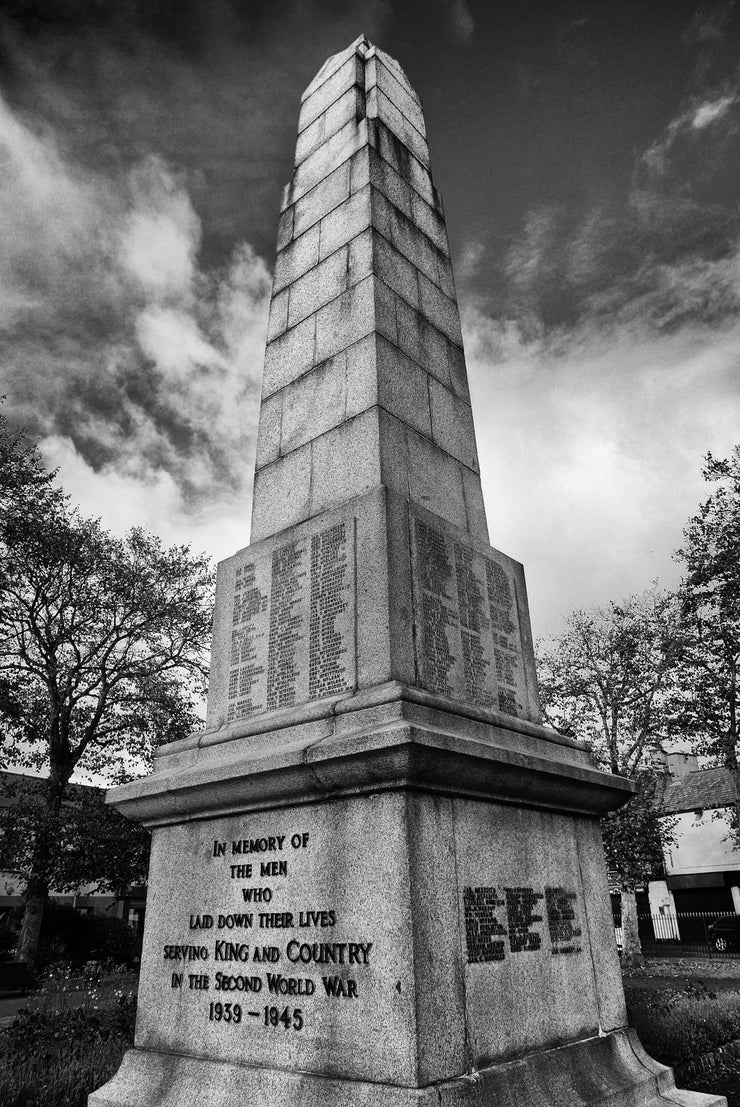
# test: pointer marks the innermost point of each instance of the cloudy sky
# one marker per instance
(589, 157)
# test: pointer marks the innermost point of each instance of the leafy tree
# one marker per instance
(103, 644)
(97, 846)
(634, 835)
(708, 709)
(609, 679)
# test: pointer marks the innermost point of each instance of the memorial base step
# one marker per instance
(610, 1070)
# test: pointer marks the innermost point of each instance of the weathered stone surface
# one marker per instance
(345, 320)
(345, 462)
(527, 943)
(330, 278)
(362, 379)
(380, 106)
(278, 319)
(459, 623)
(584, 1074)
(345, 221)
(316, 902)
(321, 199)
(403, 387)
(314, 403)
(299, 255)
(289, 356)
(396, 90)
(316, 99)
(412, 242)
(282, 493)
(318, 165)
(349, 106)
(268, 436)
(326, 883)
(391, 266)
(475, 508)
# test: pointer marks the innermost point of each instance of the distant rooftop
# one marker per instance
(702, 788)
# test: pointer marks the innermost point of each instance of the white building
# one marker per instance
(703, 865)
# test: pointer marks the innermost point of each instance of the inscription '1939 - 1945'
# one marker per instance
(492, 917)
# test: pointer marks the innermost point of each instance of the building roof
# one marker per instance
(703, 788)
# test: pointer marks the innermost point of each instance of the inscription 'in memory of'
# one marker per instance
(466, 612)
(292, 635)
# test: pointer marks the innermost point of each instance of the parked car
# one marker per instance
(724, 934)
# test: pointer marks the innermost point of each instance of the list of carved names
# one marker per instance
(292, 632)
(468, 636)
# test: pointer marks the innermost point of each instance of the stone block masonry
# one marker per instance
(365, 388)
(364, 323)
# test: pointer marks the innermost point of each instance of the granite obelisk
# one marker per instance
(376, 877)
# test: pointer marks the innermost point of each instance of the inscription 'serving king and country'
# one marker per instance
(375, 847)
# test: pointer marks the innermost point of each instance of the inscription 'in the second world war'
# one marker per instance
(292, 633)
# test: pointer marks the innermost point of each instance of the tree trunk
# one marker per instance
(632, 957)
(36, 898)
(47, 841)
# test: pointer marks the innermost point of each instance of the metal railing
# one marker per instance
(684, 935)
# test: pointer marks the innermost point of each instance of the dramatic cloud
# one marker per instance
(614, 373)
(591, 443)
(708, 22)
(589, 162)
(139, 160)
(459, 18)
(117, 346)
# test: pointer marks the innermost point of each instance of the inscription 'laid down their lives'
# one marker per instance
(468, 631)
(292, 633)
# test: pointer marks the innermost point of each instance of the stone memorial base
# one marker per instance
(391, 903)
(612, 1069)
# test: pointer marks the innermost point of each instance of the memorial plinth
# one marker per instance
(376, 877)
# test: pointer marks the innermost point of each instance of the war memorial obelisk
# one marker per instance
(376, 877)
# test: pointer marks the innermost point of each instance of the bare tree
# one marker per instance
(103, 646)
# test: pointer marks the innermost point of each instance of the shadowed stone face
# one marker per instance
(364, 320)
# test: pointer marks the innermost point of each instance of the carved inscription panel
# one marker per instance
(272, 939)
(527, 927)
(292, 622)
(466, 613)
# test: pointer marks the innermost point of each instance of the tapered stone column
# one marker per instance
(376, 877)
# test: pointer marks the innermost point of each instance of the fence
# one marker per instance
(686, 935)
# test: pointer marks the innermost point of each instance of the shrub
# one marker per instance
(55, 1059)
(8, 940)
(675, 1025)
(69, 936)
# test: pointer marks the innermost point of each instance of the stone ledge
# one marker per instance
(389, 748)
(611, 1070)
